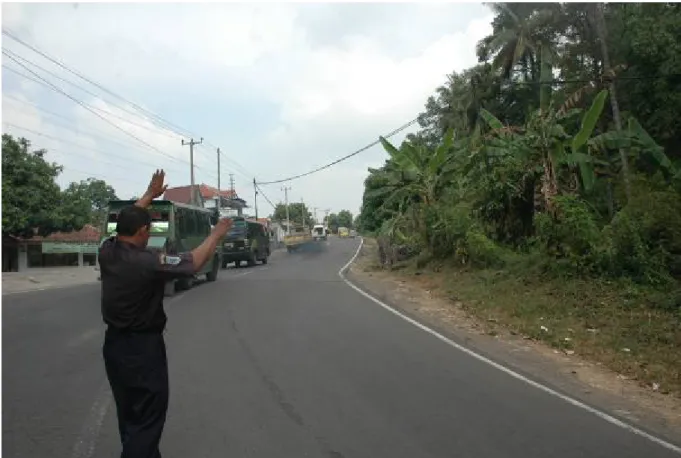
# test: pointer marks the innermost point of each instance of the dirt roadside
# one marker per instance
(588, 382)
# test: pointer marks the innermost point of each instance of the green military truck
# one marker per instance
(175, 228)
(247, 241)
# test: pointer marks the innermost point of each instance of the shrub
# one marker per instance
(447, 225)
(573, 236)
(645, 237)
(480, 251)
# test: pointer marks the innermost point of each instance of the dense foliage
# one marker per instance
(561, 146)
(33, 203)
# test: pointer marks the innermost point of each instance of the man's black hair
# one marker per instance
(131, 219)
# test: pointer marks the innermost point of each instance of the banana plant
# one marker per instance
(420, 170)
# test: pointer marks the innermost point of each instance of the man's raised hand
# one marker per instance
(223, 226)
(156, 187)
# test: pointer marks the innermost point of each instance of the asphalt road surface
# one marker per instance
(279, 361)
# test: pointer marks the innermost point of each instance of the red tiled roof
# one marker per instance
(182, 194)
(209, 192)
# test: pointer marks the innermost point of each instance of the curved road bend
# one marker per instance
(284, 360)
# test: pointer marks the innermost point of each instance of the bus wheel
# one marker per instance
(264, 260)
(251, 259)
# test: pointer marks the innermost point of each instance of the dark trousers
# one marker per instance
(137, 368)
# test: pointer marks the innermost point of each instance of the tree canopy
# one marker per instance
(297, 210)
(33, 203)
(95, 195)
(562, 140)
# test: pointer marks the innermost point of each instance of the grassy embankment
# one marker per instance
(616, 323)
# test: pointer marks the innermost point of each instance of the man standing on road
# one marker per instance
(133, 281)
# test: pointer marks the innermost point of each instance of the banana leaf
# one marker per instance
(589, 121)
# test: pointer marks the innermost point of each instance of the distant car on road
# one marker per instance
(319, 232)
(343, 232)
(353, 234)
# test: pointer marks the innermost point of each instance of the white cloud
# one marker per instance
(338, 76)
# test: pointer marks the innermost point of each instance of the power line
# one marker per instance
(83, 172)
(185, 132)
(244, 171)
(70, 123)
(361, 150)
(57, 89)
(78, 86)
(81, 76)
(86, 148)
(265, 196)
(151, 129)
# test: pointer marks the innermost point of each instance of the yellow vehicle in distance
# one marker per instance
(343, 232)
(297, 238)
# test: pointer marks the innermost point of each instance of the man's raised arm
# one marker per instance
(155, 189)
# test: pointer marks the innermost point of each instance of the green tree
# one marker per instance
(534, 160)
(297, 211)
(31, 199)
(95, 194)
(344, 219)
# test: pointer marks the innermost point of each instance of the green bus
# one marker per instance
(175, 228)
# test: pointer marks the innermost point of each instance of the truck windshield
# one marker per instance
(160, 222)
(239, 230)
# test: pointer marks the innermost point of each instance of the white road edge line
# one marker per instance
(89, 433)
(605, 416)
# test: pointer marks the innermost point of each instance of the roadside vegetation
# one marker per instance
(543, 189)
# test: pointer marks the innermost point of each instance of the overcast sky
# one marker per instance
(280, 88)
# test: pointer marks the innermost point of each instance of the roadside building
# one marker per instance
(208, 197)
(277, 233)
(61, 249)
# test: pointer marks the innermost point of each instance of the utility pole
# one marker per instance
(191, 144)
(255, 198)
(302, 210)
(288, 219)
(314, 214)
(231, 184)
(219, 194)
(326, 217)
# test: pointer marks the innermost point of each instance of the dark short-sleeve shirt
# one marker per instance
(133, 282)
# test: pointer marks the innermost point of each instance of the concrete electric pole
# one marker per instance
(255, 198)
(302, 210)
(288, 219)
(191, 144)
(219, 202)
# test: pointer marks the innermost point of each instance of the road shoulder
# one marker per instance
(585, 381)
(45, 279)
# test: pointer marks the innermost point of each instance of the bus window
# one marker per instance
(160, 221)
